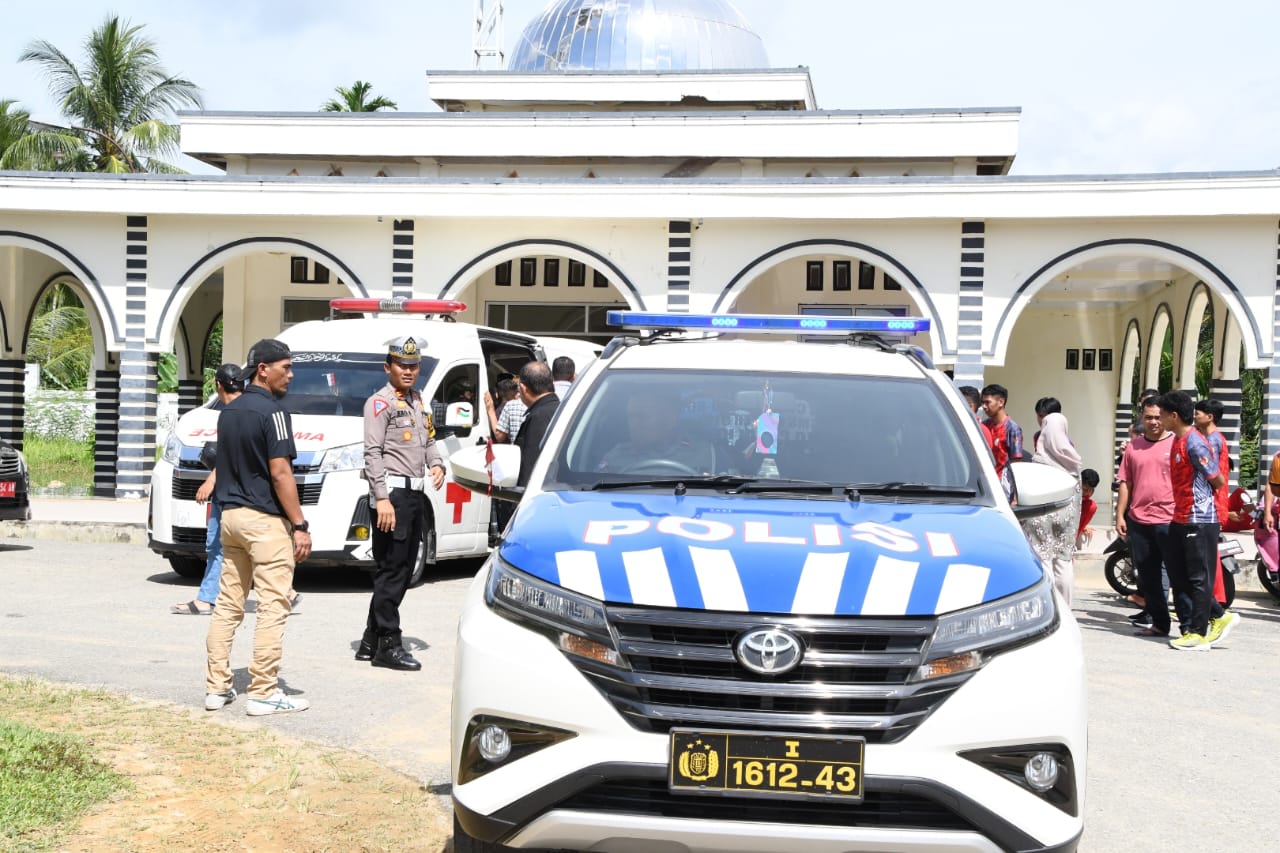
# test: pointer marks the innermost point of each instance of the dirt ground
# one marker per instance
(202, 781)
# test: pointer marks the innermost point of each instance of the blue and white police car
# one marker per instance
(765, 595)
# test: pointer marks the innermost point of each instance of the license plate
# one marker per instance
(770, 765)
(8, 489)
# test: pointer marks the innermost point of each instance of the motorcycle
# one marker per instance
(1268, 560)
(1122, 573)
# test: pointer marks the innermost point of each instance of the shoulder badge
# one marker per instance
(431, 427)
(379, 406)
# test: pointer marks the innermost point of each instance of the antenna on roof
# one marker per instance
(486, 41)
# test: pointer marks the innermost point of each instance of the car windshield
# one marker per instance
(746, 432)
(338, 383)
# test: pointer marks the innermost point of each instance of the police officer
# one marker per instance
(399, 453)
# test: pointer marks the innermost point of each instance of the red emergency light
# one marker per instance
(397, 306)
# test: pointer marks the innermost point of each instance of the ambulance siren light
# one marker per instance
(397, 306)
(780, 323)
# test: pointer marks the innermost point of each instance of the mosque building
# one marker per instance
(644, 154)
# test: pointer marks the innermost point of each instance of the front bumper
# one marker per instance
(605, 789)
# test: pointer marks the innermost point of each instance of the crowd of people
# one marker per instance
(1171, 504)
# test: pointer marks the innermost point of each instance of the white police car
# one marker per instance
(765, 595)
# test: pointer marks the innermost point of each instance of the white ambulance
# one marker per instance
(337, 364)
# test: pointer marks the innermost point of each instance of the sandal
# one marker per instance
(293, 602)
(190, 608)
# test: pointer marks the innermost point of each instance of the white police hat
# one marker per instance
(405, 349)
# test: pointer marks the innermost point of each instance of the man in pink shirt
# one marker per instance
(1144, 509)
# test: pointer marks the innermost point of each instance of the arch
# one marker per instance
(1160, 324)
(96, 328)
(799, 248)
(89, 281)
(1256, 345)
(4, 330)
(204, 341)
(1200, 301)
(1130, 352)
(218, 257)
(509, 251)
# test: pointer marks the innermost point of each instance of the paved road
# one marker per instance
(1183, 746)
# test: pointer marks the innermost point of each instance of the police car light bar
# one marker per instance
(781, 323)
(397, 306)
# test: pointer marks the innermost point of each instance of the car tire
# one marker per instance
(187, 567)
(425, 548)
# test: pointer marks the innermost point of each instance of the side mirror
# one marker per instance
(496, 479)
(459, 415)
(1041, 489)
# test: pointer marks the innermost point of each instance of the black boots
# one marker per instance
(367, 645)
(393, 655)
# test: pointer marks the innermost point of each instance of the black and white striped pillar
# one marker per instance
(402, 259)
(1269, 441)
(106, 432)
(1124, 420)
(190, 395)
(136, 445)
(1231, 395)
(11, 406)
(973, 247)
(679, 253)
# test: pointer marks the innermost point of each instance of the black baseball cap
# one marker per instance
(265, 351)
(228, 377)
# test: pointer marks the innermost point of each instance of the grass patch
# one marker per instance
(46, 780)
(59, 465)
(200, 781)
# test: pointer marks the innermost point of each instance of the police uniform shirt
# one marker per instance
(252, 430)
(397, 438)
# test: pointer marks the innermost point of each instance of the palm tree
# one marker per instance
(60, 340)
(116, 105)
(353, 100)
(15, 123)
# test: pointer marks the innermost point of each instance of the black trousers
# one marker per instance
(395, 553)
(1192, 561)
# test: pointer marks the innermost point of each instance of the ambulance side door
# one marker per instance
(457, 413)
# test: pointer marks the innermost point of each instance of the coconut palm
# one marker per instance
(60, 340)
(353, 100)
(15, 123)
(116, 105)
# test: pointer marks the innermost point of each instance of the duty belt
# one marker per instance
(395, 481)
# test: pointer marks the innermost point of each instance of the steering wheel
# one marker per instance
(661, 466)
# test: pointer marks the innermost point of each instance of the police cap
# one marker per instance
(404, 350)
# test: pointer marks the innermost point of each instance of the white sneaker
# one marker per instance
(217, 701)
(276, 703)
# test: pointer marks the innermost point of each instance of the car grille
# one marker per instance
(881, 809)
(10, 463)
(189, 536)
(855, 677)
(185, 488)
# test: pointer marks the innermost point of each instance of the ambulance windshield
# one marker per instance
(338, 383)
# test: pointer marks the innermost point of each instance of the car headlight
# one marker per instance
(349, 457)
(576, 623)
(172, 449)
(966, 639)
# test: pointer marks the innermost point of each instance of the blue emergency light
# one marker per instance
(782, 323)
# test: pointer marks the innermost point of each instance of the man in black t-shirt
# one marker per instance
(263, 532)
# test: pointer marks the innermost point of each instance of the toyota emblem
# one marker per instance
(769, 651)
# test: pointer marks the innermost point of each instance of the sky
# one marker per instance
(1114, 87)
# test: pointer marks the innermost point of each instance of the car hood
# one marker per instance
(769, 555)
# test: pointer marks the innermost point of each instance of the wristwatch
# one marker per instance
(304, 526)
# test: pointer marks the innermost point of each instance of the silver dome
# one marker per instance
(638, 35)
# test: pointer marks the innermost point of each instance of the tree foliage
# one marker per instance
(356, 100)
(116, 102)
(61, 341)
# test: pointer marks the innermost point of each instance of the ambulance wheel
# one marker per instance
(426, 548)
(187, 567)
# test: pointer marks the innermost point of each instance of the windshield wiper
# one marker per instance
(715, 481)
(898, 487)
